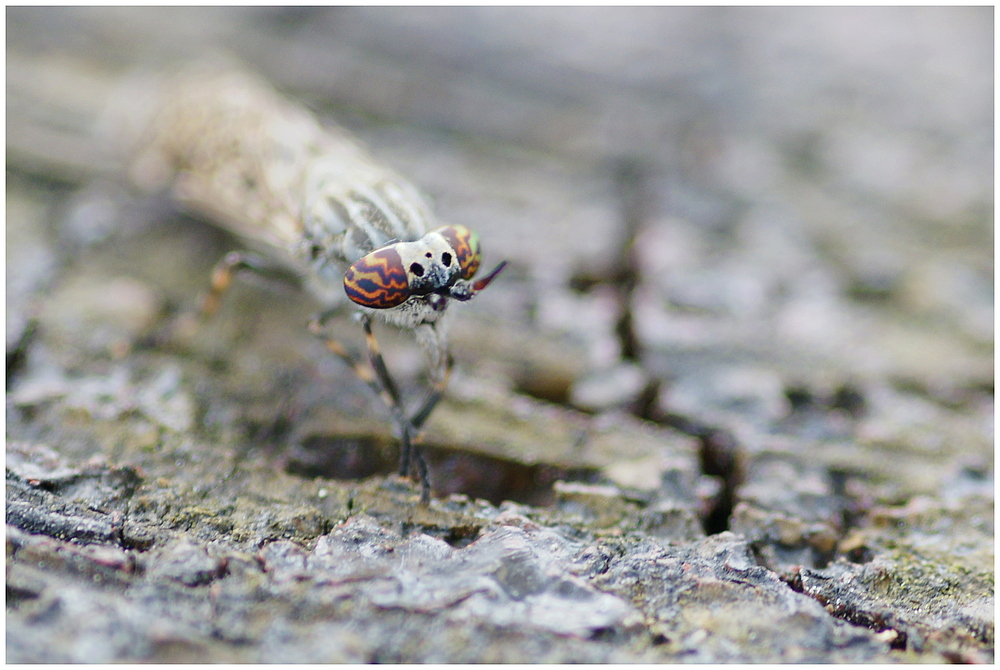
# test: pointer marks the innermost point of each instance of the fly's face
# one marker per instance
(442, 262)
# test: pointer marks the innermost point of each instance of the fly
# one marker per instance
(309, 198)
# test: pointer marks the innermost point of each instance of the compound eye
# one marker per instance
(465, 244)
(446, 259)
(378, 280)
(417, 269)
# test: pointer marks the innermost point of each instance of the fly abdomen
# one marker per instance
(237, 152)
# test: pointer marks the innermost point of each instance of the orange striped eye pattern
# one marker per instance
(378, 280)
(466, 246)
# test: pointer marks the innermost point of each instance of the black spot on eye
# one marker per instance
(428, 254)
(417, 269)
(446, 259)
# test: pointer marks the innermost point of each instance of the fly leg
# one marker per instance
(182, 327)
(437, 392)
(420, 417)
(222, 277)
(380, 381)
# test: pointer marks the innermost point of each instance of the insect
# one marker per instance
(310, 199)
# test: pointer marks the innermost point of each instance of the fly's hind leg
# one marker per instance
(183, 326)
(380, 381)
(222, 277)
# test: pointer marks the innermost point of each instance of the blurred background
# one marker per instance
(775, 220)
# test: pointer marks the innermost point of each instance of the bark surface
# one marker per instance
(732, 401)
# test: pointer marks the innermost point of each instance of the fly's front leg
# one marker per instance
(437, 393)
(409, 431)
(381, 382)
(388, 393)
(420, 417)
